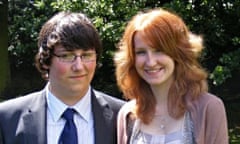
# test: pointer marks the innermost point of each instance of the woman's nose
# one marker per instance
(151, 59)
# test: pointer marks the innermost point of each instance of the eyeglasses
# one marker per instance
(71, 57)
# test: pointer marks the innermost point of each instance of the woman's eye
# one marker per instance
(140, 52)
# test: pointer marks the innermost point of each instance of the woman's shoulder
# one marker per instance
(208, 109)
(206, 101)
(208, 98)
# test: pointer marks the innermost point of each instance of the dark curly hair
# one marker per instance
(71, 30)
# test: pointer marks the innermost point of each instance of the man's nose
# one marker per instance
(77, 63)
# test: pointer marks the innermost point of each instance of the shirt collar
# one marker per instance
(56, 107)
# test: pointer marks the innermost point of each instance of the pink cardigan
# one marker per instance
(208, 116)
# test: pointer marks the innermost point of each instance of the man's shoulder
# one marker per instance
(107, 96)
(111, 100)
(19, 102)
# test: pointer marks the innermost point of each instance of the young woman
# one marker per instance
(157, 68)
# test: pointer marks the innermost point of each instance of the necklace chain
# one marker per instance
(161, 120)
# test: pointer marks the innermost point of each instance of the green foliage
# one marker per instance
(25, 20)
(216, 20)
(4, 72)
(234, 135)
(228, 63)
(24, 23)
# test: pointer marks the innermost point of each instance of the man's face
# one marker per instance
(70, 80)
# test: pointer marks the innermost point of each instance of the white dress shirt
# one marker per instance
(83, 118)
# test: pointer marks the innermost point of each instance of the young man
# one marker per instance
(69, 48)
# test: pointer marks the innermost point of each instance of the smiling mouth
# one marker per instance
(78, 76)
(153, 70)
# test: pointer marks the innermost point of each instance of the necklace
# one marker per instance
(161, 121)
(161, 118)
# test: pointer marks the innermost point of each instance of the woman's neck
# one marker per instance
(160, 92)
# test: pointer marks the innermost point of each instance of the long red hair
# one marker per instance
(167, 32)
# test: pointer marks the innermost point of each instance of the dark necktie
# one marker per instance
(69, 133)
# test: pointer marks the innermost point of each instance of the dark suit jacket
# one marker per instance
(23, 120)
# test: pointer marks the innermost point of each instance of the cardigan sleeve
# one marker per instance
(121, 127)
(216, 123)
(209, 120)
(122, 122)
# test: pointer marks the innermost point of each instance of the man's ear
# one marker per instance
(45, 66)
(45, 72)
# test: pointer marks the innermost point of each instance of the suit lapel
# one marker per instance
(103, 120)
(35, 120)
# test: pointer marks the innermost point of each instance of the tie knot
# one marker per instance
(68, 114)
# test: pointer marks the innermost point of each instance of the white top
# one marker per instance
(83, 118)
(182, 136)
(172, 138)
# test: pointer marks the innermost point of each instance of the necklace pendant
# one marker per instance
(162, 126)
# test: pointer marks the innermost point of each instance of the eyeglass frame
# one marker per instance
(84, 60)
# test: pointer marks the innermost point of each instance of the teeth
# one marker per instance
(152, 71)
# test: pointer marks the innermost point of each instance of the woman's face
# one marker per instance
(154, 66)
